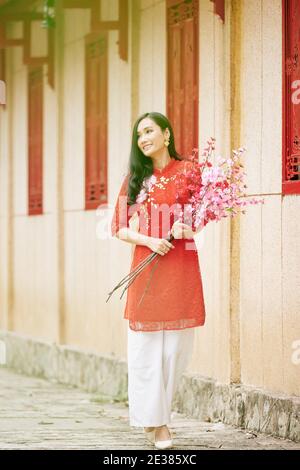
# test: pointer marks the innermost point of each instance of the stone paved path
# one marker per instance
(37, 414)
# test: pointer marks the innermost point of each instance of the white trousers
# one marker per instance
(156, 361)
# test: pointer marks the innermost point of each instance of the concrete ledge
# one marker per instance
(239, 405)
(65, 364)
(196, 396)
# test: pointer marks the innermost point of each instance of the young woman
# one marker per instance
(165, 302)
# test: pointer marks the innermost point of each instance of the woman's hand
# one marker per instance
(181, 230)
(159, 245)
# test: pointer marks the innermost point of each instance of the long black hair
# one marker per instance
(140, 166)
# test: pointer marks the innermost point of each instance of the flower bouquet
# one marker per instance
(215, 191)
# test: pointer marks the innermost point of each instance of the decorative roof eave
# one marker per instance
(27, 7)
(25, 11)
(15, 6)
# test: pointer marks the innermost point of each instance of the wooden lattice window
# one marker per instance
(96, 91)
(182, 70)
(291, 97)
(35, 141)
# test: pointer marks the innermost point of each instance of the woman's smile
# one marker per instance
(146, 147)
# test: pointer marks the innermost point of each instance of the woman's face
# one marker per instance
(150, 137)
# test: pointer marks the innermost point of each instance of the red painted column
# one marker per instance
(219, 8)
(182, 72)
(35, 141)
(291, 97)
(96, 121)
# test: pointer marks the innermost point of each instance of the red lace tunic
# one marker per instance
(173, 299)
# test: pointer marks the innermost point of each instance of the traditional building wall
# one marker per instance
(211, 354)
(269, 260)
(28, 247)
(56, 271)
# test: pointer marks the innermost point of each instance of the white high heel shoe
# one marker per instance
(166, 444)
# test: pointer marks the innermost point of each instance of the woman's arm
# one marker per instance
(131, 236)
(157, 245)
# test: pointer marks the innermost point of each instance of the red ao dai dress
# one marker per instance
(173, 299)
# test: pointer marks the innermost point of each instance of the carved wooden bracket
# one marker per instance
(18, 12)
(97, 25)
(27, 18)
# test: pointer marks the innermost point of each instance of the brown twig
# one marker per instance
(129, 278)
(149, 280)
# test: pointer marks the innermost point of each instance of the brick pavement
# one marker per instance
(38, 414)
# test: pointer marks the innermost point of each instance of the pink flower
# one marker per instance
(142, 196)
(146, 189)
(216, 191)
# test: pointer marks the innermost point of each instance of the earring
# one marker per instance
(167, 142)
